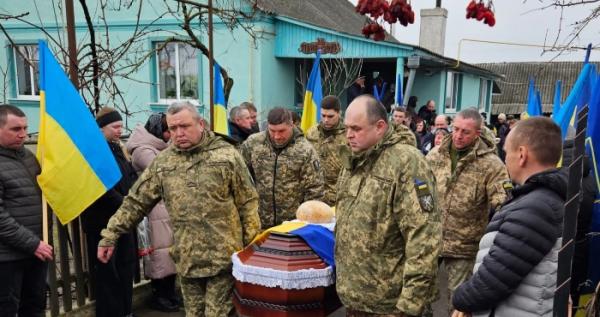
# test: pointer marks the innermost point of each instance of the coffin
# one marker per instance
(280, 275)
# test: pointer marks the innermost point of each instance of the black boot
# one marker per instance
(163, 304)
(161, 296)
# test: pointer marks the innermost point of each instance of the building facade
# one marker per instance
(266, 63)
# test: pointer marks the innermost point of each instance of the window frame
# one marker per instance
(484, 86)
(196, 102)
(455, 81)
(33, 96)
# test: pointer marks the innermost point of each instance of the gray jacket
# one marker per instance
(20, 204)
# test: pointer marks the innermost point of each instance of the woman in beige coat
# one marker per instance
(144, 145)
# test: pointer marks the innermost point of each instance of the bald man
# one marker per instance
(388, 232)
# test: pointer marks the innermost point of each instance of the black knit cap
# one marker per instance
(108, 118)
(156, 124)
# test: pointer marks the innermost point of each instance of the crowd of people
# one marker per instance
(413, 192)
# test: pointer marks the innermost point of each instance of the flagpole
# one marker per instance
(211, 65)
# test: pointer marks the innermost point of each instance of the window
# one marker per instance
(177, 66)
(27, 71)
(452, 90)
(483, 93)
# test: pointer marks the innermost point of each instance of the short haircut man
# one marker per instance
(5, 110)
(327, 137)
(210, 197)
(331, 103)
(515, 272)
(399, 115)
(240, 123)
(386, 211)
(285, 167)
(253, 114)
(279, 116)
(441, 122)
(464, 163)
(22, 252)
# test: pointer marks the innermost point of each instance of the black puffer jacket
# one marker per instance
(527, 228)
(20, 204)
(96, 216)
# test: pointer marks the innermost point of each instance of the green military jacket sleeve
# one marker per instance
(143, 196)
(210, 198)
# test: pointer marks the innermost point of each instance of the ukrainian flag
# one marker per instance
(220, 107)
(578, 97)
(534, 101)
(312, 97)
(77, 165)
(593, 150)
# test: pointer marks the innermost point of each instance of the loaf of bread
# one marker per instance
(314, 211)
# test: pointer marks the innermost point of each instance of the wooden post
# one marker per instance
(72, 43)
(211, 65)
(74, 225)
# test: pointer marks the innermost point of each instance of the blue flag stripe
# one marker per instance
(66, 107)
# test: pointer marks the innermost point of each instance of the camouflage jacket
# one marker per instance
(405, 134)
(327, 144)
(285, 177)
(468, 195)
(211, 201)
(388, 231)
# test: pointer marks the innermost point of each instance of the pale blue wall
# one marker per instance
(258, 76)
(470, 92)
(427, 86)
(263, 70)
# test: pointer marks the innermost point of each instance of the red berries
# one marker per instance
(396, 11)
(481, 12)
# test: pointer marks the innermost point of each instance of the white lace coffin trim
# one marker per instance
(300, 279)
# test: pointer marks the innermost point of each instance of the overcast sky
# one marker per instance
(516, 22)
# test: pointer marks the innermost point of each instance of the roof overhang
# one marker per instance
(291, 33)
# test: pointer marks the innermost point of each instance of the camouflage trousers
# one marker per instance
(427, 312)
(208, 296)
(459, 270)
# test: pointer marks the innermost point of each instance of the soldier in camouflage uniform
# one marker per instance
(327, 137)
(470, 178)
(285, 167)
(388, 232)
(213, 207)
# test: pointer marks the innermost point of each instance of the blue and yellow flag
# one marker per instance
(77, 165)
(557, 97)
(320, 239)
(593, 150)
(534, 101)
(220, 107)
(578, 96)
(311, 113)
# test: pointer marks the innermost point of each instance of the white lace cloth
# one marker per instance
(301, 279)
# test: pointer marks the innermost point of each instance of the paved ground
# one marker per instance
(439, 307)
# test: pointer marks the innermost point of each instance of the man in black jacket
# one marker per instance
(240, 124)
(515, 270)
(114, 280)
(22, 253)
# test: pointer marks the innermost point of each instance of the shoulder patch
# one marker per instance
(424, 195)
(317, 165)
(507, 185)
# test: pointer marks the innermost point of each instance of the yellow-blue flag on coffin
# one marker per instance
(311, 113)
(220, 107)
(77, 165)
